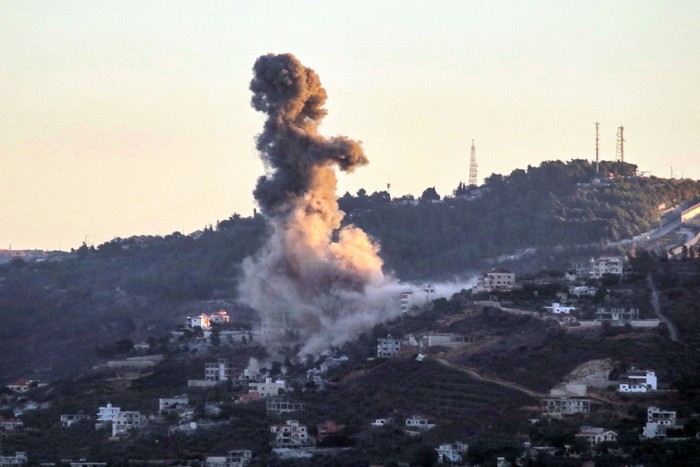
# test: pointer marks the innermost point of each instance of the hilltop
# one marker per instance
(140, 287)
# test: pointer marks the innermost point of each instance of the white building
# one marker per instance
(269, 388)
(388, 347)
(419, 423)
(200, 320)
(594, 435)
(606, 265)
(658, 421)
(382, 421)
(220, 317)
(290, 434)
(451, 452)
(638, 381)
(558, 308)
(125, 421)
(108, 413)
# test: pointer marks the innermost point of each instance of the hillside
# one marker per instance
(484, 392)
(56, 312)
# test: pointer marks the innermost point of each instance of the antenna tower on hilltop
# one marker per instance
(620, 151)
(472, 166)
(597, 147)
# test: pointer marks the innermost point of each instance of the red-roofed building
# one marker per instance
(22, 385)
(10, 423)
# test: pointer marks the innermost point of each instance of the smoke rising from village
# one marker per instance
(316, 284)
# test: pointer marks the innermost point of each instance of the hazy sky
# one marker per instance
(132, 117)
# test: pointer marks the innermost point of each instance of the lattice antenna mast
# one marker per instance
(620, 151)
(597, 147)
(472, 166)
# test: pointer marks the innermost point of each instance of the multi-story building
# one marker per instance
(658, 422)
(107, 413)
(222, 370)
(388, 347)
(564, 407)
(605, 265)
(638, 381)
(269, 388)
(498, 279)
(290, 434)
(125, 421)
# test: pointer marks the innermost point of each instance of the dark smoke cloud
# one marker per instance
(293, 98)
(315, 284)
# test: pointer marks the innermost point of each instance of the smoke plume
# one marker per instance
(314, 283)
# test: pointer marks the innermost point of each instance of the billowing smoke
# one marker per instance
(315, 284)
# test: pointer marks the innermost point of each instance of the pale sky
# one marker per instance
(121, 118)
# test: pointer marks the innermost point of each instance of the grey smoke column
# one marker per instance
(314, 283)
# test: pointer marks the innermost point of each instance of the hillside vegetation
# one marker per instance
(140, 287)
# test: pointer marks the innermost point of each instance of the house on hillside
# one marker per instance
(377, 422)
(221, 370)
(290, 434)
(451, 452)
(269, 388)
(617, 316)
(564, 407)
(125, 421)
(605, 265)
(201, 321)
(419, 423)
(220, 317)
(558, 308)
(594, 435)
(659, 421)
(239, 457)
(637, 381)
(22, 385)
(69, 419)
(107, 413)
(9, 424)
(388, 347)
(496, 280)
(276, 406)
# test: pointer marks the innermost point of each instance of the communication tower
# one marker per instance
(597, 147)
(472, 166)
(620, 151)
